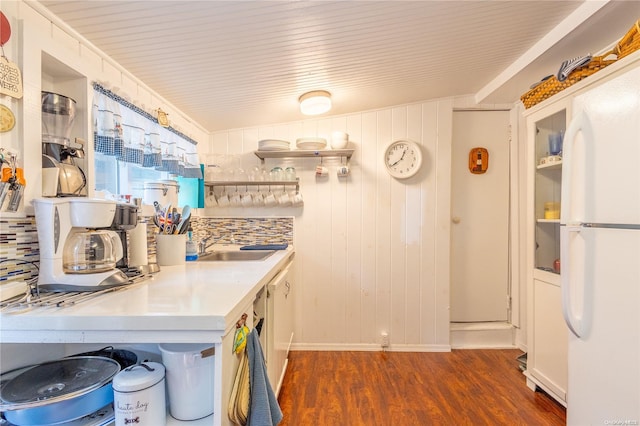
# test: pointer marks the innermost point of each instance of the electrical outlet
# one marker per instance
(384, 339)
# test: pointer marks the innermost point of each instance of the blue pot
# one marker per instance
(62, 411)
(59, 391)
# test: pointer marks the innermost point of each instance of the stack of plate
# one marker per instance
(311, 143)
(273, 145)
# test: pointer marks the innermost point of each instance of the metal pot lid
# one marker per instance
(58, 380)
(123, 357)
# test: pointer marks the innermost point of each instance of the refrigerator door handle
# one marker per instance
(580, 122)
(575, 322)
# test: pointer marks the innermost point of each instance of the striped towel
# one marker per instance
(570, 65)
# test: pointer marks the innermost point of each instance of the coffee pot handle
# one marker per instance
(117, 245)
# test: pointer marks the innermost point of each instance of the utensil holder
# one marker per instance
(171, 249)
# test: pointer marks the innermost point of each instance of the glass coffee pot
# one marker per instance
(91, 251)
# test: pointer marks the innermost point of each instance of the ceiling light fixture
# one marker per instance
(315, 102)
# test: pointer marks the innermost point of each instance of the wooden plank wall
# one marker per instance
(372, 251)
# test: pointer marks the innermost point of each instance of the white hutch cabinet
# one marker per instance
(547, 333)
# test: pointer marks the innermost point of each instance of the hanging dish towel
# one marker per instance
(238, 409)
(264, 409)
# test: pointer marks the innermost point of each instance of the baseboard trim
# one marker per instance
(482, 335)
(368, 347)
(474, 326)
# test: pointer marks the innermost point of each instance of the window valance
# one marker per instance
(132, 135)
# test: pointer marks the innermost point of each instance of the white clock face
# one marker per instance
(403, 159)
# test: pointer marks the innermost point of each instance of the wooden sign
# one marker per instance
(10, 76)
(7, 119)
(478, 160)
(10, 79)
(163, 120)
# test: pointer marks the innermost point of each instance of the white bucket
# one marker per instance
(163, 191)
(139, 395)
(190, 369)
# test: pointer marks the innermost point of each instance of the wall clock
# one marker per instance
(403, 159)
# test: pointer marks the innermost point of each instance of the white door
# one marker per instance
(480, 218)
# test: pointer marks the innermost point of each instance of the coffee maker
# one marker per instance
(77, 250)
(124, 220)
(58, 115)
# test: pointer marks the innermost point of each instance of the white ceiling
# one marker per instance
(230, 64)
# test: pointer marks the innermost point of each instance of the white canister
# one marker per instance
(138, 250)
(139, 395)
(190, 369)
(163, 191)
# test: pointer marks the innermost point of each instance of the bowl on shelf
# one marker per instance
(339, 140)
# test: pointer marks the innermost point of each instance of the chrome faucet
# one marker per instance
(203, 246)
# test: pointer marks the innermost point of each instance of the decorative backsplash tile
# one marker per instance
(245, 231)
(18, 247)
(233, 230)
(19, 239)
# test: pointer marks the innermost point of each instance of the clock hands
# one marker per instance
(400, 159)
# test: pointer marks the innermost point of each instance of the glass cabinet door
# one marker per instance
(548, 177)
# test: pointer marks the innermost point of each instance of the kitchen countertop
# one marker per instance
(195, 302)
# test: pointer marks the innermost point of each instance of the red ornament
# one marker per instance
(5, 29)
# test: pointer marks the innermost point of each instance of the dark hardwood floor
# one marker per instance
(462, 387)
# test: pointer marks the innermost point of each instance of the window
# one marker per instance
(120, 177)
(132, 148)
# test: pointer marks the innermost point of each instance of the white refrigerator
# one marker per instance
(600, 253)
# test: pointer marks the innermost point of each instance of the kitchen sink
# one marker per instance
(231, 256)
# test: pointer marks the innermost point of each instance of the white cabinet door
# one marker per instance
(547, 363)
(280, 323)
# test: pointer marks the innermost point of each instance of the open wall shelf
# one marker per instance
(300, 153)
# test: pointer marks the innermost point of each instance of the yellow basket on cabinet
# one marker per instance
(552, 85)
(627, 45)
